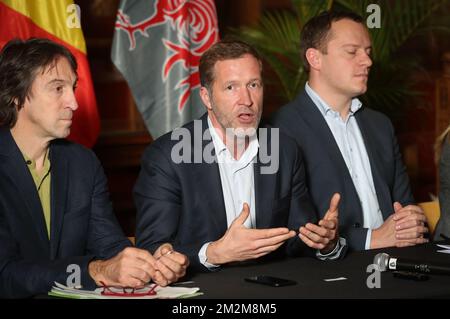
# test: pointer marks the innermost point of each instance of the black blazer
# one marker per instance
(83, 226)
(327, 173)
(183, 203)
(443, 225)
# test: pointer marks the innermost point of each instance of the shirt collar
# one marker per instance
(219, 145)
(221, 149)
(32, 163)
(324, 108)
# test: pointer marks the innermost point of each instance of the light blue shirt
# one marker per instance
(348, 137)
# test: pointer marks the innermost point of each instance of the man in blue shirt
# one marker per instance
(347, 147)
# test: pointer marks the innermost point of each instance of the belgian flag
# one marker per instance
(57, 20)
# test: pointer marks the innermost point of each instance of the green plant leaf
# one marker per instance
(277, 35)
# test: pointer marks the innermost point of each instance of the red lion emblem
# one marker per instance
(194, 20)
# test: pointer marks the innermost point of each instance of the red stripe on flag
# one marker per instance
(86, 122)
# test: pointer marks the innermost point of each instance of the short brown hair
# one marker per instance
(316, 32)
(20, 61)
(223, 50)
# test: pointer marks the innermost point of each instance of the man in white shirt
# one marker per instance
(349, 148)
(227, 205)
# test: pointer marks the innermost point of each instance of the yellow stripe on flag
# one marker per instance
(52, 16)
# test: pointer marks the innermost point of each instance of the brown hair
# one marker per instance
(316, 32)
(223, 50)
(20, 62)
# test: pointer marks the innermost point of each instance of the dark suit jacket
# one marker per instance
(443, 225)
(327, 173)
(83, 226)
(183, 203)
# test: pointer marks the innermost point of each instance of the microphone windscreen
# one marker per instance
(381, 260)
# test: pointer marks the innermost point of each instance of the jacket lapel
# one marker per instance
(20, 176)
(264, 191)
(208, 176)
(383, 193)
(59, 183)
(318, 125)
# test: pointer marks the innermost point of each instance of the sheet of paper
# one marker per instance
(335, 279)
(60, 290)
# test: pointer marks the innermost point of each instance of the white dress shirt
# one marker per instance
(238, 184)
(348, 137)
(238, 187)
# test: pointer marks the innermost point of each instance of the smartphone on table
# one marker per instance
(270, 281)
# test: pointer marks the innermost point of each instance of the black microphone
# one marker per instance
(391, 263)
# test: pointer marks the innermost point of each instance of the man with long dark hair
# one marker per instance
(55, 214)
